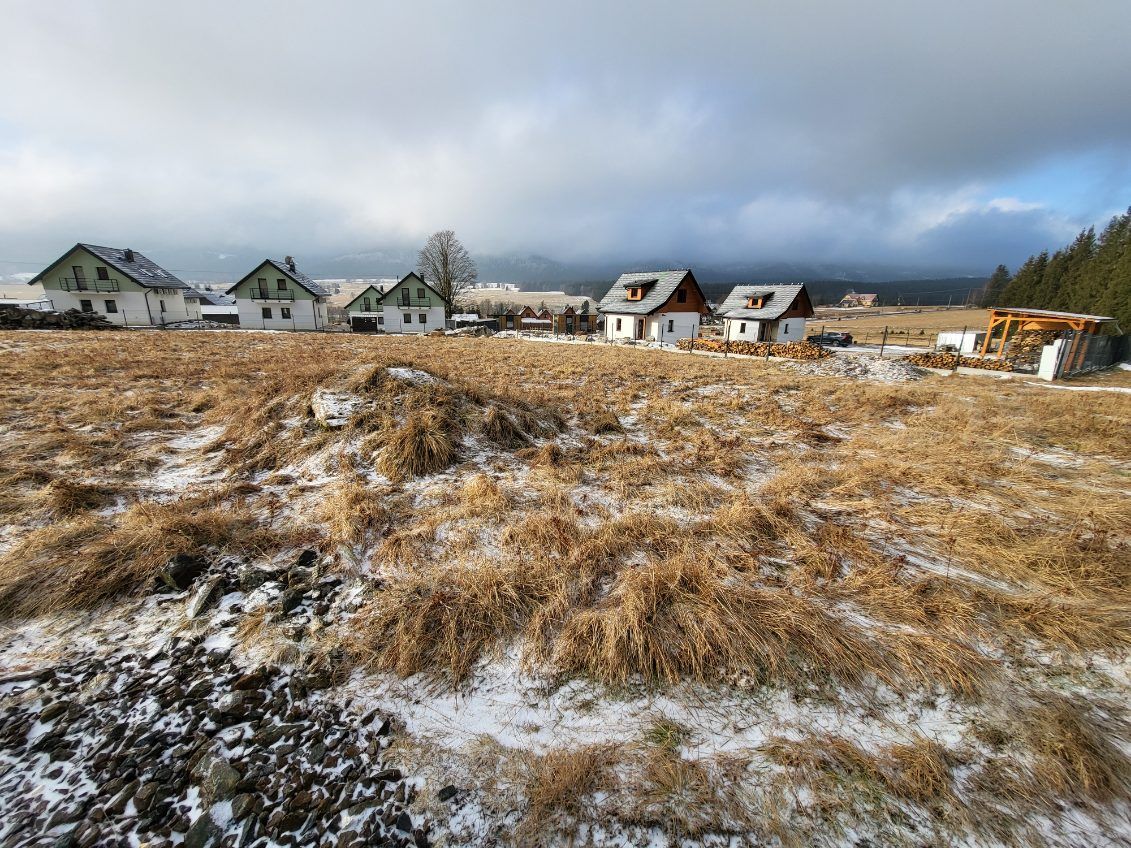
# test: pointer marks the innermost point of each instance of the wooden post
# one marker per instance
(883, 341)
(958, 353)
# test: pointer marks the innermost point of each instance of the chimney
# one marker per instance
(290, 261)
(129, 254)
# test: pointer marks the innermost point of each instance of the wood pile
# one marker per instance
(792, 350)
(950, 361)
(1025, 347)
(19, 318)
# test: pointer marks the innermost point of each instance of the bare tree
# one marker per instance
(447, 266)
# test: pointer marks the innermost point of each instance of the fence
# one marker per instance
(1078, 353)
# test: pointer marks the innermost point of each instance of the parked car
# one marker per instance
(831, 339)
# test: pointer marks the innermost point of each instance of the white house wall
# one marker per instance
(746, 330)
(399, 320)
(133, 310)
(305, 314)
(668, 327)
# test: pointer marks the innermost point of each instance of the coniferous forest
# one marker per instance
(1091, 275)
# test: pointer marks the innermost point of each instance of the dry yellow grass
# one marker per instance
(634, 518)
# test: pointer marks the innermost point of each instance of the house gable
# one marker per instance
(414, 283)
(108, 265)
(358, 303)
(649, 292)
(298, 284)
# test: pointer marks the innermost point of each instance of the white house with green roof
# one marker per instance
(408, 306)
(277, 296)
(118, 283)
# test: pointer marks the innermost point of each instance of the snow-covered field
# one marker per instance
(602, 594)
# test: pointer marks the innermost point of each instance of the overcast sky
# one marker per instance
(962, 133)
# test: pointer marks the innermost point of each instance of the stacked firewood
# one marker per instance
(792, 350)
(950, 361)
(1025, 348)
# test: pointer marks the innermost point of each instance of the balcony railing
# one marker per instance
(69, 284)
(269, 294)
(413, 304)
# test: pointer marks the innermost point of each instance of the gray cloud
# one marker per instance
(821, 130)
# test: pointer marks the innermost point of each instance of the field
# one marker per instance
(609, 596)
(860, 321)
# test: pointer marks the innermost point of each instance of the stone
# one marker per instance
(204, 597)
(180, 572)
(290, 601)
(244, 805)
(447, 793)
(203, 832)
(251, 680)
(216, 776)
(334, 409)
(307, 558)
(404, 823)
(251, 578)
(53, 711)
(232, 703)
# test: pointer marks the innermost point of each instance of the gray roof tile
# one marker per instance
(779, 300)
(663, 283)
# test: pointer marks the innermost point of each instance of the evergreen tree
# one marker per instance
(995, 286)
(1092, 275)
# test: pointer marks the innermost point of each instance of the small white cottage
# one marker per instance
(774, 313)
(661, 306)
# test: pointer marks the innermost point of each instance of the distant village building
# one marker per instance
(408, 306)
(663, 306)
(209, 306)
(118, 283)
(277, 296)
(853, 299)
(761, 313)
(571, 322)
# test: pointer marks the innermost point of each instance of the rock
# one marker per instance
(53, 711)
(291, 599)
(447, 793)
(404, 823)
(251, 578)
(307, 558)
(181, 571)
(334, 409)
(233, 703)
(299, 575)
(389, 775)
(251, 680)
(203, 832)
(244, 805)
(218, 780)
(204, 597)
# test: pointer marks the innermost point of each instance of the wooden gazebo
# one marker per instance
(1017, 319)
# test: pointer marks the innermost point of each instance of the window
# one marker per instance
(285, 312)
(162, 305)
(281, 285)
(423, 317)
(785, 329)
(111, 307)
(618, 325)
(86, 306)
(671, 325)
(102, 273)
(266, 313)
(262, 282)
(636, 294)
(741, 327)
(366, 306)
(380, 319)
(420, 294)
(681, 296)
